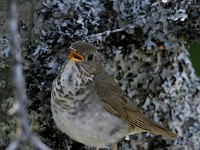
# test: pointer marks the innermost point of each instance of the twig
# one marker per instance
(25, 134)
(127, 28)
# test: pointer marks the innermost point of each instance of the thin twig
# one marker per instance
(127, 28)
(13, 145)
(19, 84)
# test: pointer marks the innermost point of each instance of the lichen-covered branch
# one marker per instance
(23, 133)
(146, 48)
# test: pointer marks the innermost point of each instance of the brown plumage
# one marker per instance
(118, 103)
(89, 106)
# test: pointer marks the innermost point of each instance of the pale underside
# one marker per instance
(89, 122)
(95, 111)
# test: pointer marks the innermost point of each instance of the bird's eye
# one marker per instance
(90, 56)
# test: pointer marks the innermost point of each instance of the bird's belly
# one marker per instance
(95, 127)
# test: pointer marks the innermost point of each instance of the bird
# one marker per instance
(90, 107)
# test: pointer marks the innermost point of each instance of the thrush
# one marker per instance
(89, 106)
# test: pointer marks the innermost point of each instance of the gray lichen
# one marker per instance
(145, 44)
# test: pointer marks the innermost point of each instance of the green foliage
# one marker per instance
(195, 57)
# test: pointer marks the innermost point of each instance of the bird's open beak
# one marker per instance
(75, 56)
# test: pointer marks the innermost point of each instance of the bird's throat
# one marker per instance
(72, 87)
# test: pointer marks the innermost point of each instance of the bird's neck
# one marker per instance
(72, 85)
(74, 76)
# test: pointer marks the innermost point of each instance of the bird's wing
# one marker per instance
(118, 103)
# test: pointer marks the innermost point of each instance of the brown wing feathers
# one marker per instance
(118, 103)
(137, 119)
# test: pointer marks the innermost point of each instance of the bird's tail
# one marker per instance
(158, 129)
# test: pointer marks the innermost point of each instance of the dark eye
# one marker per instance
(90, 57)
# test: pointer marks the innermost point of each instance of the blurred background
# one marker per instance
(195, 57)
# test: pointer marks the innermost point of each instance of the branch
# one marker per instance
(20, 108)
(128, 28)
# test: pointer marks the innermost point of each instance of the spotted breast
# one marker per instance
(78, 111)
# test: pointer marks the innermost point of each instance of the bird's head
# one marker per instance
(85, 54)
